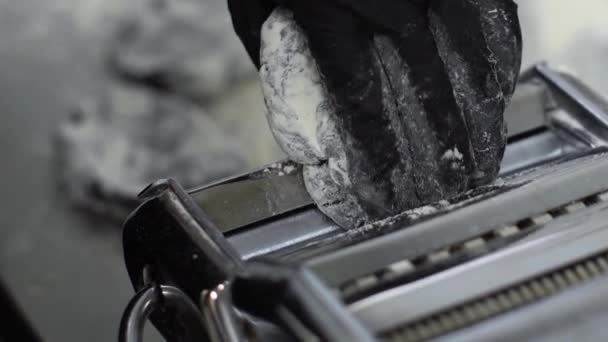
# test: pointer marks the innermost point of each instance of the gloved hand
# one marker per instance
(416, 92)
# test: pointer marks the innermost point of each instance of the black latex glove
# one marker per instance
(419, 87)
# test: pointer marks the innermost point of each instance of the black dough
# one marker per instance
(446, 79)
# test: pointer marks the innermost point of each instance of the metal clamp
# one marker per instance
(220, 318)
(170, 305)
(170, 234)
(585, 114)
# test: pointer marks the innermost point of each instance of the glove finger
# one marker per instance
(248, 16)
(429, 114)
(467, 34)
(365, 117)
(503, 36)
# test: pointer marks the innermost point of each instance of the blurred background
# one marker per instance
(100, 97)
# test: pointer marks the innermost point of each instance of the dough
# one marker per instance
(445, 81)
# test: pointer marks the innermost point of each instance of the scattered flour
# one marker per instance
(422, 211)
(288, 169)
(452, 154)
(300, 117)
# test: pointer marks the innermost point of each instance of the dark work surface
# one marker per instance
(15, 326)
(64, 268)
